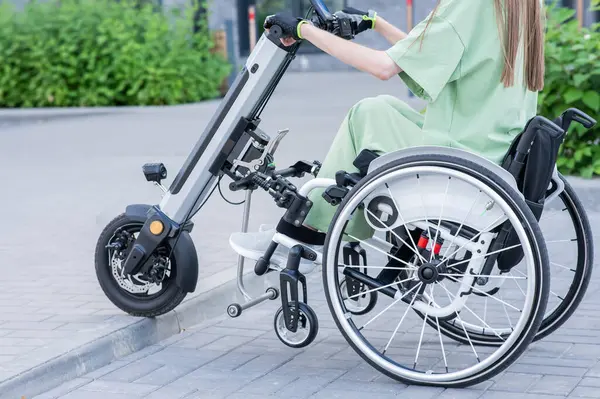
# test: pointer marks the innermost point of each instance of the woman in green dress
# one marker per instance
(478, 63)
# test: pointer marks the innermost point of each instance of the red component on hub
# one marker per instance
(437, 247)
(423, 241)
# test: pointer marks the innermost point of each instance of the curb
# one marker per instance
(132, 338)
(33, 115)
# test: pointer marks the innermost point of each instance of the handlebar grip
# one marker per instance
(276, 31)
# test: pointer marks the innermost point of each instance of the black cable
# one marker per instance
(189, 217)
(226, 200)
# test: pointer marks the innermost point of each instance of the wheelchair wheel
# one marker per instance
(451, 210)
(571, 252)
(569, 240)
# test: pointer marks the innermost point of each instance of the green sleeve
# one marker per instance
(428, 65)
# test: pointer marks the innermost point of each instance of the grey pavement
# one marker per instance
(243, 359)
(67, 178)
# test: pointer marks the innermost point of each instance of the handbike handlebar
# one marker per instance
(324, 20)
(322, 11)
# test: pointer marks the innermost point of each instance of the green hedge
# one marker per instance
(573, 80)
(60, 53)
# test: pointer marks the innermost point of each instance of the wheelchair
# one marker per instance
(456, 244)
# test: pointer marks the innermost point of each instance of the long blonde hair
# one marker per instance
(512, 16)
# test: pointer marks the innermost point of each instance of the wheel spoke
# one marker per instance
(481, 256)
(379, 288)
(461, 225)
(506, 313)
(462, 324)
(437, 322)
(380, 250)
(475, 237)
(396, 234)
(423, 205)
(518, 286)
(564, 267)
(558, 241)
(481, 275)
(400, 322)
(423, 329)
(390, 305)
(496, 299)
(437, 231)
(380, 267)
(473, 313)
(414, 246)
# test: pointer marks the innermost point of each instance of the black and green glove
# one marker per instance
(289, 24)
(360, 20)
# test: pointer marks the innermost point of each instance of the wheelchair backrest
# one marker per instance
(531, 160)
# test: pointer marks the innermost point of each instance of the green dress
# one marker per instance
(457, 69)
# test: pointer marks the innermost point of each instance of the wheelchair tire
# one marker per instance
(127, 292)
(555, 318)
(530, 316)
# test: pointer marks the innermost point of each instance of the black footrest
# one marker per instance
(335, 194)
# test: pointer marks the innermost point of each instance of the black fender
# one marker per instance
(140, 212)
(186, 275)
(184, 250)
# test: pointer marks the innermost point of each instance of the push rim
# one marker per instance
(521, 329)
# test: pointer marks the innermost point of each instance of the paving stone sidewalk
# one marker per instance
(70, 177)
(243, 359)
(66, 178)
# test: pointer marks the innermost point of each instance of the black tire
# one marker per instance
(585, 263)
(372, 300)
(153, 305)
(307, 316)
(540, 268)
(577, 289)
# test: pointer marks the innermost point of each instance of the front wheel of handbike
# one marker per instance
(459, 206)
(147, 294)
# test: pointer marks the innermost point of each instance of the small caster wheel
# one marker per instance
(234, 310)
(308, 326)
(361, 304)
(274, 293)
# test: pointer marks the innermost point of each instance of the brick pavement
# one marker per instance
(242, 358)
(67, 178)
(75, 175)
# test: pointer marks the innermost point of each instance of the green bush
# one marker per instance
(573, 80)
(62, 53)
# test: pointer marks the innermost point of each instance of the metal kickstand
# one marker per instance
(235, 309)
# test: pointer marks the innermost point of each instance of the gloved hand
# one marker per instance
(360, 20)
(288, 23)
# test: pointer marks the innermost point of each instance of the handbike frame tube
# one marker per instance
(245, 99)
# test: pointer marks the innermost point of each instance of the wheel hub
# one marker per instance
(141, 283)
(429, 272)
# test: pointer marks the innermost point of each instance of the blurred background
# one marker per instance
(84, 53)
